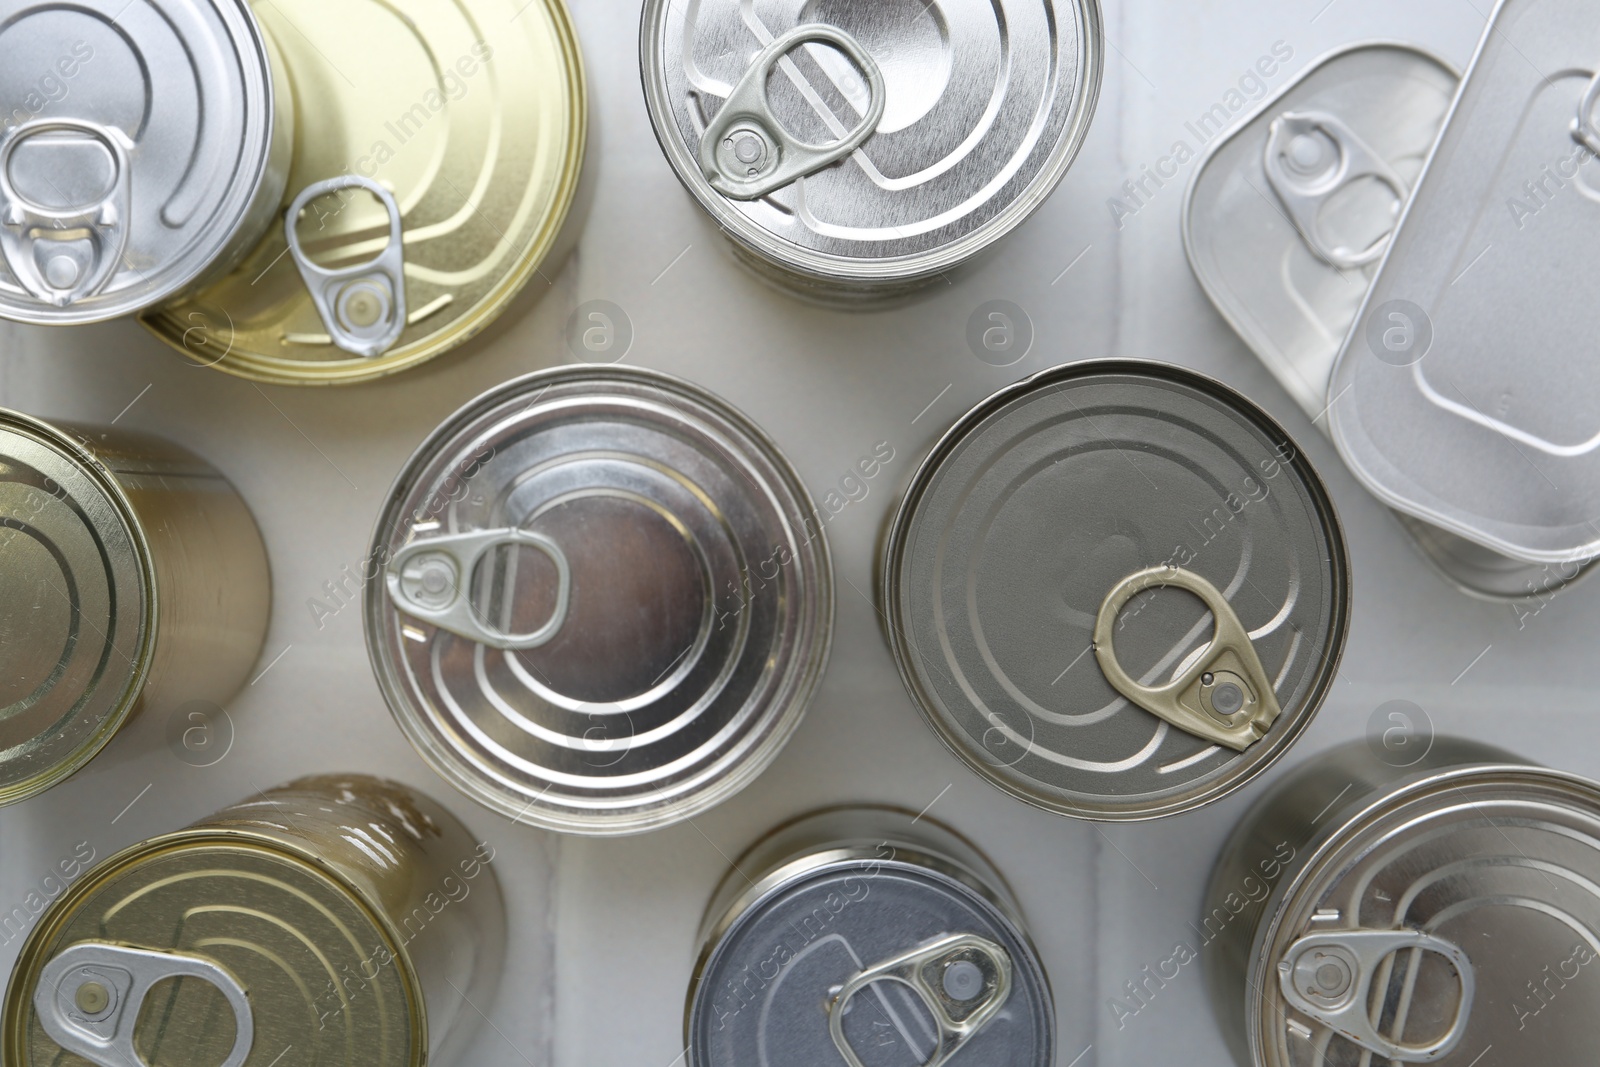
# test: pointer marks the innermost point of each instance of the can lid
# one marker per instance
(599, 601)
(428, 184)
(891, 141)
(137, 139)
(1454, 913)
(1146, 515)
(77, 606)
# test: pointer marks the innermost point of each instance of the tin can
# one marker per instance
(132, 576)
(144, 151)
(429, 183)
(1440, 912)
(1463, 405)
(856, 151)
(870, 936)
(1117, 590)
(334, 920)
(605, 600)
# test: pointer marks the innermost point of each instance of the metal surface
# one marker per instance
(1461, 405)
(870, 936)
(472, 115)
(657, 642)
(977, 113)
(153, 162)
(363, 306)
(1039, 502)
(325, 922)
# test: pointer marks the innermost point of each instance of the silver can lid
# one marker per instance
(1456, 912)
(599, 601)
(135, 142)
(1023, 586)
(871, 144)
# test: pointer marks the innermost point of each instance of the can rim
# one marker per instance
(824, 267)
(88, 465)
(892, 550)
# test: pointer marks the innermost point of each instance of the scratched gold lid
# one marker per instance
(433, 169)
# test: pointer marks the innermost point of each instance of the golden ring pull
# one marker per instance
(1225, 697)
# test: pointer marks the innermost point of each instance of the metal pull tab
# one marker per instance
(1312, 155)
(89, 997)
(963, 980)
(63, 255)
(1328, 977)
(1584, 130)
(429, 579)
(1225, 697)
(363, 307)
(746, 153)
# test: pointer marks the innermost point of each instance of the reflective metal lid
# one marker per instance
(1450, 921)
(604, 604)
(1053, 578)
(77, 607)
(137, 136)
(1465, 401)
(966, 114)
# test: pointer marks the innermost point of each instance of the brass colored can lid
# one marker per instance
(77, 607)
(430, 179)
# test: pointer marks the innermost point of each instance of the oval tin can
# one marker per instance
(144, 151)
(430, 182)
(1443, 911)
(869, 937)
(334, 920)
(1117, 590)
(854, 151)
(132, 577)
(605, 600)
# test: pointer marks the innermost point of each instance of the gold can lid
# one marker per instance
(433, 169)
(77, 606)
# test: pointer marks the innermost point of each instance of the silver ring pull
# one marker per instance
(1224, 697)
(963, 980)
(1328, 977)
(63, 255)
(1584, 130)
(89, 997)
(746, 153)
(1311, 156)
(429, 579)
(363, 307)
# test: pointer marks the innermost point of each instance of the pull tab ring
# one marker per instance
(1225, 697)
(963, 981)
(429, 580)
(1305, 179)
(363, 307)
(1328, 977)
(89, 996)
(746, 153)
(66, 274)
(1584, 130)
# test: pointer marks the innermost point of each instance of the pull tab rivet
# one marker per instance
(93, 998)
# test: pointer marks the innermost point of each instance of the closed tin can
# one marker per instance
(1117, 590)
(857, 150)
(144, 151)
(870, 937)
(336, 920)
(131, 576)
(429, 183)
(1441, 912)
(605, 600)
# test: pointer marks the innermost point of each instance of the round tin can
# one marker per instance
(1442, 912)
(344, 918)
(144, 151)
(870, 937)
(605, 600)
(1050, 579)
(132, 576)
(858, 150)
(429, 183)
